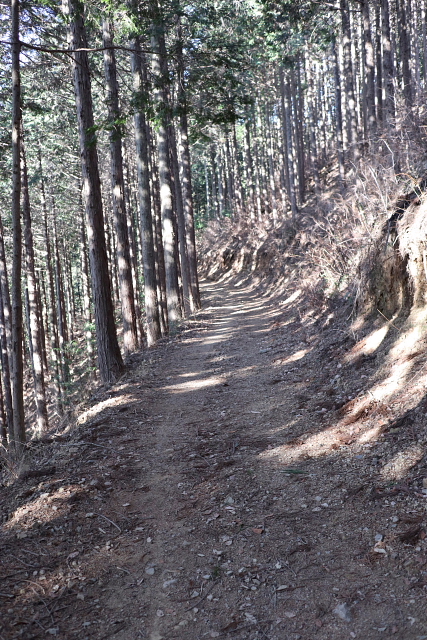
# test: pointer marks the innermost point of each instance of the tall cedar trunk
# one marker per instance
(299, 135)
(158, 236)
(378, 64)
(424, 41)
(3, 420)
(144, 198)
(349, 93)
(312, 119)
(215, 188)
(180, 223)
(5, 336)
(270, 159)
(127, 298)
(60, 309)
(159, 70)
(53, 317)
(405, 50)
(338, 114)
(369, 64)
(42, 313)
(17, 334)
(249, 171)
(287, 142)
(34, 334)
(109, 357)
(388, 67)
(238, 174)
(86, 292)
(185, 161)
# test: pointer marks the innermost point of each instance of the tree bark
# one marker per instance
(388, 67)
(34, 334)
(5, 336)
(144, 198)
(109, 357)
(369, 64)
(186, 178)
(17, 336)
(350, 99)
(127, 298)
(159, 70)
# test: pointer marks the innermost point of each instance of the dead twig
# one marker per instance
(110, 521)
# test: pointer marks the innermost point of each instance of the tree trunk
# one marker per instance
(34, 333)
(405, 51)
(350, 99)
(180, 222)
(160, 74)
(5, 336)
(127, 298)
(387, 60)
(287, 142)
(86, 293)
(109, 357)
(338, 115)
(17, 340)
(369, 64)
(144, 198)
(378, 64)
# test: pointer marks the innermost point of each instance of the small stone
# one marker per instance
(379, 537)
(343, 612)
(425, 483)
(90, 515)
(149, 571)
(53, 631)
(160, 613)
(395, 519)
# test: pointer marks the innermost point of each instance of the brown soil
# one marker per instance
(255, 477)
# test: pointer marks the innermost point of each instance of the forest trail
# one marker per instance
(209, 495)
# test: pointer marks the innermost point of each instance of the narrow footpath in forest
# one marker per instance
(217, 491)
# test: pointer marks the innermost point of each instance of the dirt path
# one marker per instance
(212, 494)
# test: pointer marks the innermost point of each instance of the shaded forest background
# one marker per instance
(290, 136)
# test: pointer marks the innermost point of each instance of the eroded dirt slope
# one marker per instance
(249, 479)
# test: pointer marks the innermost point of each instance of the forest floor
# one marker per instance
(261, 475)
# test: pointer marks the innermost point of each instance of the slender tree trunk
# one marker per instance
(378, 64)
(387, 60)
(144, 197)
(86, 293)
(405, 51)
(349, 82)
(287, 143)
(186, 178)
(169, 240)
(53, 317)
(34, 335)
(5, 336)
(338, 115)
(127, 297)
(249, 171)
(180, 220)
(109, 357)
(17, 335)
(369, 64)
(60, 309)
